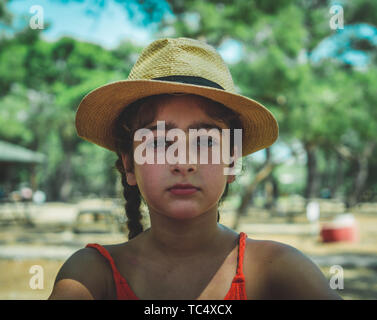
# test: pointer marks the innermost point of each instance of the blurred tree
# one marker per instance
(328, 105)
(309, 100)
(358, 143)
(5, 15)
(41, 85)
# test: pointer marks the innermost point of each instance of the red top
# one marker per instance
(237, 289)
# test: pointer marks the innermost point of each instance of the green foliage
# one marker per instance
(99, 176)
(11, 69)
(328, 106)
(13, 114)
(41, 85)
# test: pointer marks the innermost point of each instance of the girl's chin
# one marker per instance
(182, 214)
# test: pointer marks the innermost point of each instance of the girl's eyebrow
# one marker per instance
(195, 125)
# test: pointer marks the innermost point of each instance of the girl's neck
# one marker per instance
(184, 239)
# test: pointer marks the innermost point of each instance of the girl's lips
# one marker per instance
(183, 191)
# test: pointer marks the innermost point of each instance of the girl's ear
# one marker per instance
(130, 176)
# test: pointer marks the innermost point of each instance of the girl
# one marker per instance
(186, 253)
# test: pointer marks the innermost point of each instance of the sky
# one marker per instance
(110, 27)
(107, 29)
(338, 45)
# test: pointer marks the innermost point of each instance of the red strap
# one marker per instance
(241, 252)
(237, 289)
(106, 254)
(123, 289)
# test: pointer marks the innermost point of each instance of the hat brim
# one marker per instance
(99, 109)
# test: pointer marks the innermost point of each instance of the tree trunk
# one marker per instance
(66, 185)
(361, 176)
(339, 177)
(312, 180)
(262, 174)
(272, 192)
(269, 193)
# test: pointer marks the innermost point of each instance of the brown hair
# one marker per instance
(137, 115)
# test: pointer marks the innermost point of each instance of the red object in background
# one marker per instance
(337, 233)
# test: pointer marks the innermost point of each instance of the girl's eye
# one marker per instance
(210, 142)
(155, 143)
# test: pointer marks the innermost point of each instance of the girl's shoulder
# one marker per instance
(263, 255)
(266, 250)
(279, 271)
(85, 274)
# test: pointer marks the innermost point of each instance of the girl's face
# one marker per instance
(155, 180)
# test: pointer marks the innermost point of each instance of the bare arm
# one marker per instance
(82, 277)
(295, 277)
(69, 289)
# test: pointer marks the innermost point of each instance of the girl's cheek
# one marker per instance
(213, 176)
(148, 176)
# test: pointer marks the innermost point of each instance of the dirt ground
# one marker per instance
(48, 246)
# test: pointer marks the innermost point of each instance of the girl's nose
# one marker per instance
(183, 169)
(184, 166)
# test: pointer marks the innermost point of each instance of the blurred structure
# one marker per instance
(11, 157)
(342, 228)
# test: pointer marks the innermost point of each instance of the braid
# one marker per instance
(132, 207)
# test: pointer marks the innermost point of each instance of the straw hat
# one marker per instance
(171, 66)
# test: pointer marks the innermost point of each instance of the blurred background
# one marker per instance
(311, 62)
